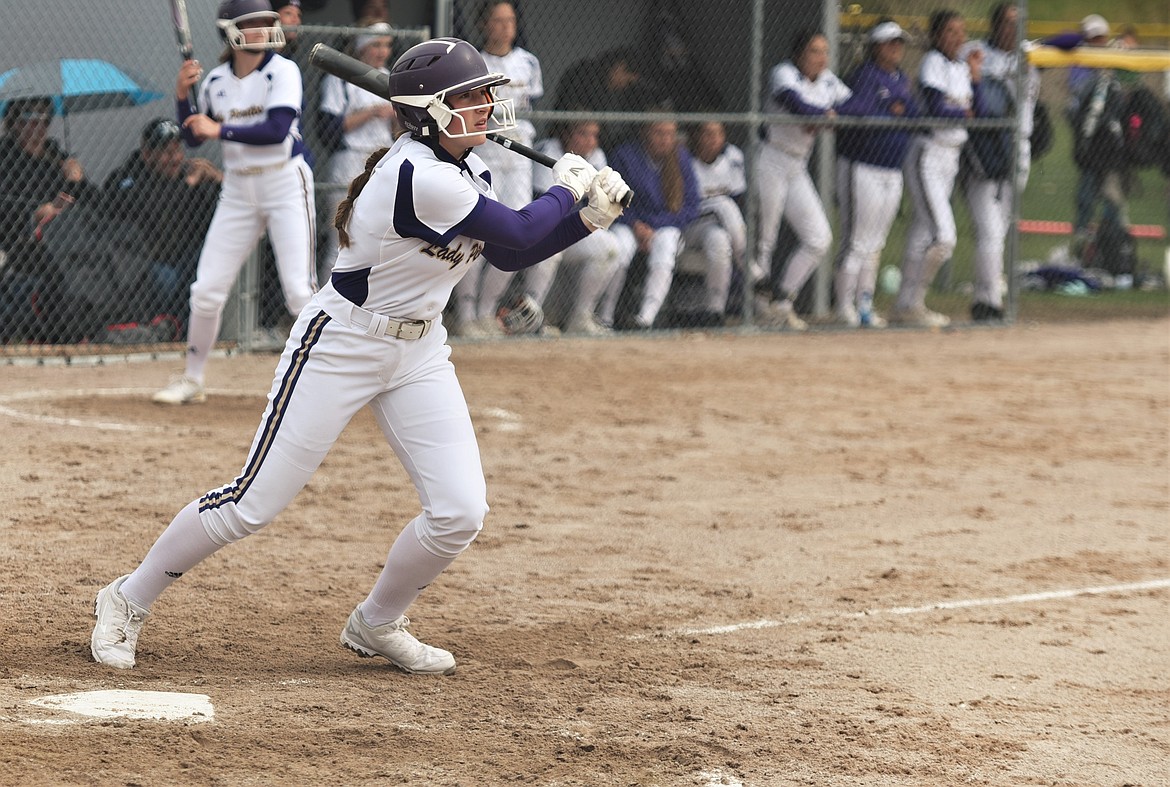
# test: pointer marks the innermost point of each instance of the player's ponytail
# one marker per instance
(341, 220)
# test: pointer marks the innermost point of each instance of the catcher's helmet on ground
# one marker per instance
(232, 13)
(428, 73)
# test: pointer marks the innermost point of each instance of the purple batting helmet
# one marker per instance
(427, 73)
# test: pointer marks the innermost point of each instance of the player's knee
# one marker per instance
(226, 524)
(205, 301)
(450, 530)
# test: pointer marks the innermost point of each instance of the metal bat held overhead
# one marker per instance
(366, 77)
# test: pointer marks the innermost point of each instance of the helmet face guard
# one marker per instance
(427, 75)
(273, 39)
(452, 122)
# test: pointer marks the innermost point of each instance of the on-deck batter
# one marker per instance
(251, 102)
(414, 222)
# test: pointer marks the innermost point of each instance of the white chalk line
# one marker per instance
(1023, 598)
(98, 393)
(508, 421)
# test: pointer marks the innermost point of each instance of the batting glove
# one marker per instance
(574, 173)
(605, 199)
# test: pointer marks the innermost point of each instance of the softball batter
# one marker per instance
(949, 88)
(251, 102)
(413, 223)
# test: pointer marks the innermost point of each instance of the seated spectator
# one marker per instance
(611, 82)
(720, 233)
(577, 277)
(662, 176)
(171, 199)
(38, 181)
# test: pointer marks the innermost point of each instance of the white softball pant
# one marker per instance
(930, 170)
(786, 191)
(329, 370)
(589, 264)
(707, 236)
(661, 258)
(868, 198)
(990, 204)
(281, 201)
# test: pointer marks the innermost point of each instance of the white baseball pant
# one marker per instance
(590, 264)
(929, 170)
(868, 197)
(990, 204)
(786, 190)
(708, 237)
(661, 258)
(281, 201)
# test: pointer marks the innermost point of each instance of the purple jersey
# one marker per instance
(876, 93)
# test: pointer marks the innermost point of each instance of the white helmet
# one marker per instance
(233, 12)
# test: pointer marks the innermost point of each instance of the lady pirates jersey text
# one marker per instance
(409, 217)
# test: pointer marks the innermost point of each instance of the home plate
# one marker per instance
(162, 705)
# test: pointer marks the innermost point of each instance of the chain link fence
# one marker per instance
(755, 206)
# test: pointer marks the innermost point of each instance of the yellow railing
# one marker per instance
(1148, 32)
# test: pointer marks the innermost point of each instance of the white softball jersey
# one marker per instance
(724, 176)
(236, 101)
(526, 86)
(341, 98)
(411, 191)
(825, 92)
(952, 78)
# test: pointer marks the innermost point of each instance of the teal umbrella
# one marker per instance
(75, 86)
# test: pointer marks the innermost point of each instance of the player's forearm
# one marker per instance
(499, 225)
(570, 230)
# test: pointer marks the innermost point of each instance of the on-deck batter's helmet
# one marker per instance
(427, 73)
(233, 12)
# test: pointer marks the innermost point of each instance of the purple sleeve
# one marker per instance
(977, 104)
(791, 102)
(570, 230)
(499, 226)
(183, 111)
(272, 131)
(864, 100)
(936, 104)
(1064, 40)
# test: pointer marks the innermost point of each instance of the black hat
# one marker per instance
(159, 132)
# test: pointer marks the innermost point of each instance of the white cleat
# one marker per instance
(778, 314)
(586, 325)
(115, 635)
(393, 642)
(848, 316)
(919, 318)
(181, 390)
(872, 320)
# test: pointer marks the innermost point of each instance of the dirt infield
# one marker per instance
(848, 559)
